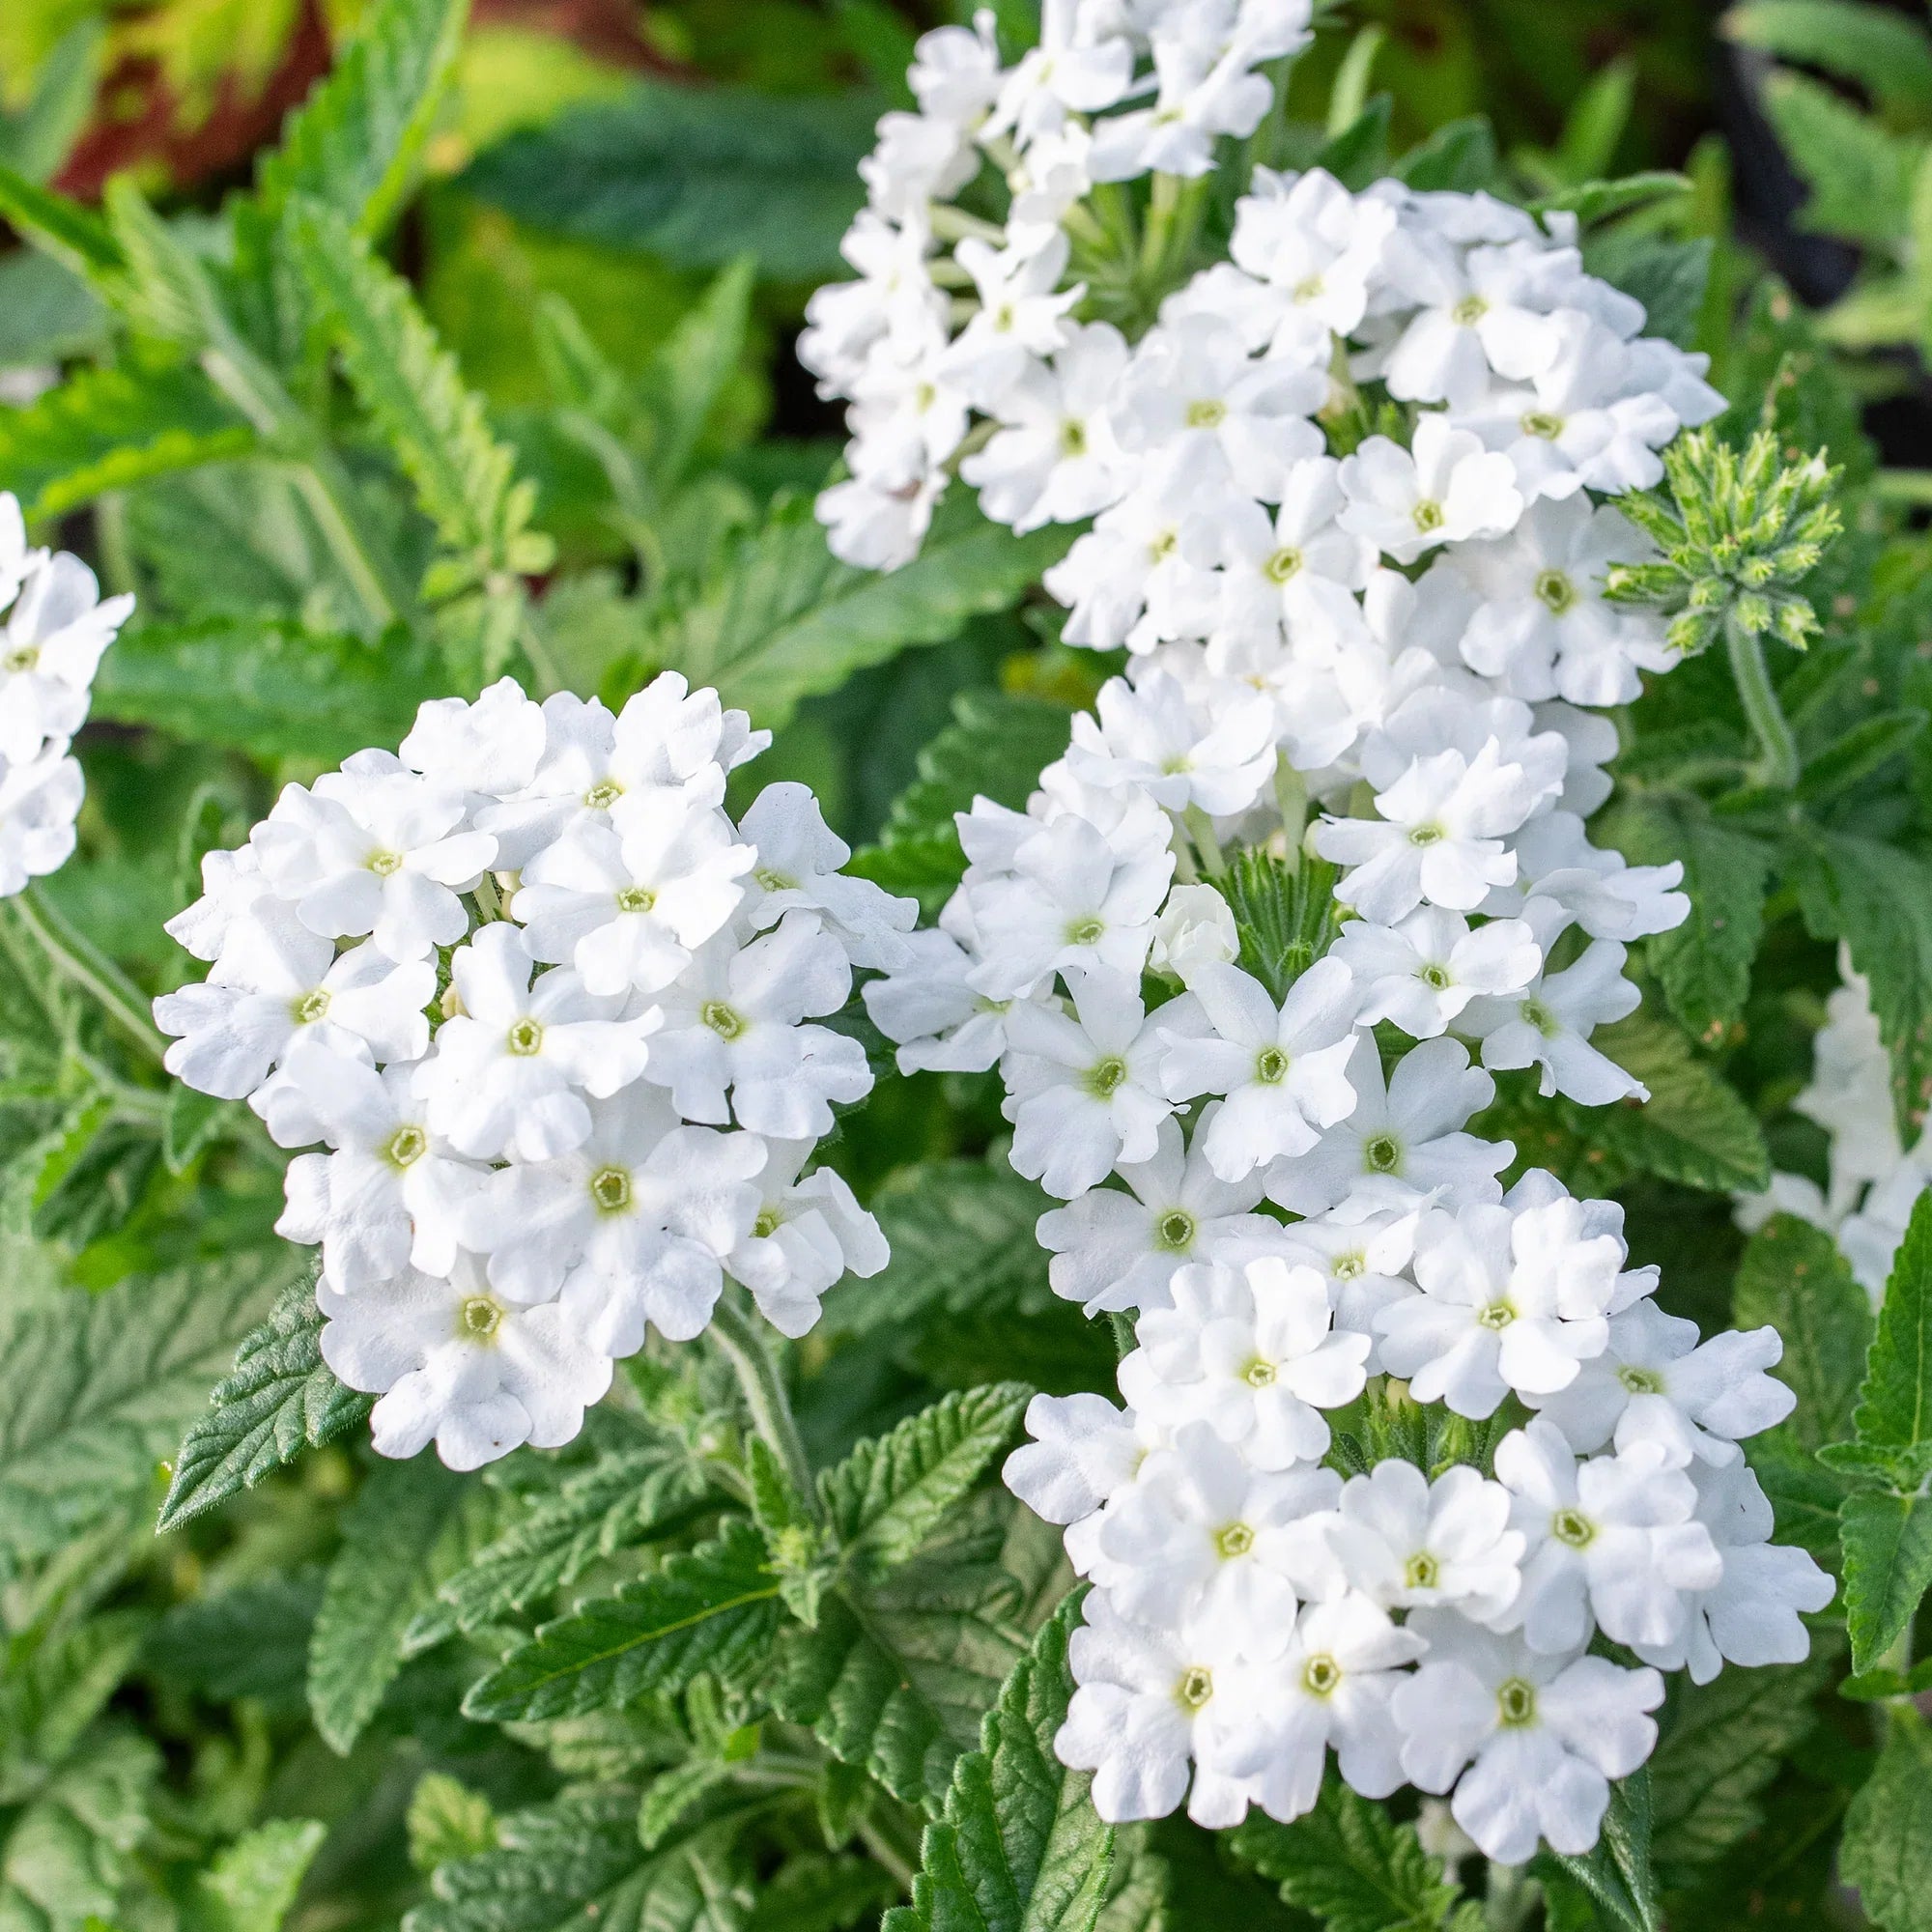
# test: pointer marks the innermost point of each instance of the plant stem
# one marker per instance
(325, 488)
(764, 1395)
(1780, 765)
(88, 968)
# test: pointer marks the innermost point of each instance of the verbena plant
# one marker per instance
(1236, 1015)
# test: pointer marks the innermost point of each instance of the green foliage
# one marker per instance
(1617, 1873)
(1887, 1852)
(1019, 1847)
(278, 1400)
(253, 1882)
(1357, 1870)
(1873, 48)
(1793, 1279)
(1860, 176)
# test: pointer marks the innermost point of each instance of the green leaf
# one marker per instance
(46, 313)
(1894, 1412)
(279, 1398)
(714, 1609)
(1705, 963)
(1882, 52)
(1694, 1129)
(1459, 156)
(1670, 278)
(1888, 1842)
(99, 1388)
(271, 689)
(1019, 1847)
(696, 175)
(1860, 175)
(576, 1863)
(1595, 201)
(52, 1688)
(1793, 1277)
(1350, 1865)
(447, 1821)
(961, 1234)
(248, 1640)
(688, 376)
(896, 1677)
(109, 428)
(411, 1527)
(1888, 1543)
(822, 1895)
(787, 620)
(66, 1856)
(1616, 1873)
(1721, 1743)
(1859, 752)
(891, 1493)
(253, 1882)
(1805, 1496)
(436, 429)
(75, 235)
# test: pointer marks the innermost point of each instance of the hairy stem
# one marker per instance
(88, 968)
(764, 1395)
(1779, 766)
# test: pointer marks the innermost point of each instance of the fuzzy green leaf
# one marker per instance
(1888, 1842)
(1351, 1866)
(253, 1882)
(1894, 1417)
(889, 1494)
(447, 1821)
(273, 689)
(1805, 1496)
(694, 175)
(99, 1388)
(278, 1399)
(1882, 52)
(787, 621)
(411, 1527)
(1019, 1848)
(1888, 1541)
(715, 1610)
(822, 1895)
(1860, 175)
(576, 1863)
(66, 1855)
(1616, 1872)
(1793, 1277)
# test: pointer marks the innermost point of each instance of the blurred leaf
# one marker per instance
(1616, 1872)
(1860, 175)
(46, 314)
(447, 1821)
(253, 1882)
(1794, 1278)
(1874, 47)
(1887, 1843)
(1667, 277)
(249, 1640)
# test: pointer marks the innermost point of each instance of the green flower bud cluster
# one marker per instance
(1738, 535)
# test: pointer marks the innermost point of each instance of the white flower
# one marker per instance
(876, 525)
(277, 984)
(735, 1024)
(1082, 1452)
(1609, 898)
(1849, 1093)
(392, 1193)
(1448, 489)
(634, 1224)
(1421, 972)
(1203, 1534)
(1439, 837)
(375, 850)
(1081, 1087)
(1317, 247)
(1752, 1617)
(1023, 314)
(231, 885)
(460, 1365)
(809, 1236)
(487, 750)
(1118, 1248)
(930, 1008)
(1548, 1025)
(1507, 1301)
(40, 802)
(628, 902)
(1063, 72)
(50, 648)
(1402, 1141)
(1297, 570)
(1331, 1686)
(512, 1068)
(1195, 928)
(1282, 1068)
(1612, 1539)
(1152, 736)
(1542, 1736)
(1654, 1383)
(1476, 313)
(956, 73)
(1054, 460)
(1253, 1354)
(1360, 1254)
(1405, 1541)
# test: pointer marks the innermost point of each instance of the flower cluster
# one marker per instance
(1873, 1180)
(55, 627)
(552, 1024)
(1347, 524)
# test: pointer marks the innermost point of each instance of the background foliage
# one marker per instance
(487, 365)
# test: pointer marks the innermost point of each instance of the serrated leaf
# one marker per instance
(694, 175)
(1721, 1743)
(1888, 1541)
(1019, 1847)
(279, 1398)
(54, 1687)
(1616, 1873)
(1888, 1842)
(274, 689)
(253, 1882)
(1352, 1865)
(576, 1862)
(411, 1527)
(896, 1677)
(1694, 1128)
(891, 1493)
(1858, 173)
(1704, 965)
(1595, 201)
(716, 1609)
(66, 1855)
(1894, 1412)
(1793, 1277)
(1879, 50)
(787, 621)
(249, 1640)
(105, 429)
(75, 235)
(1668, 277)
(447, 1821)
(438, 429)
(99, 1388)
